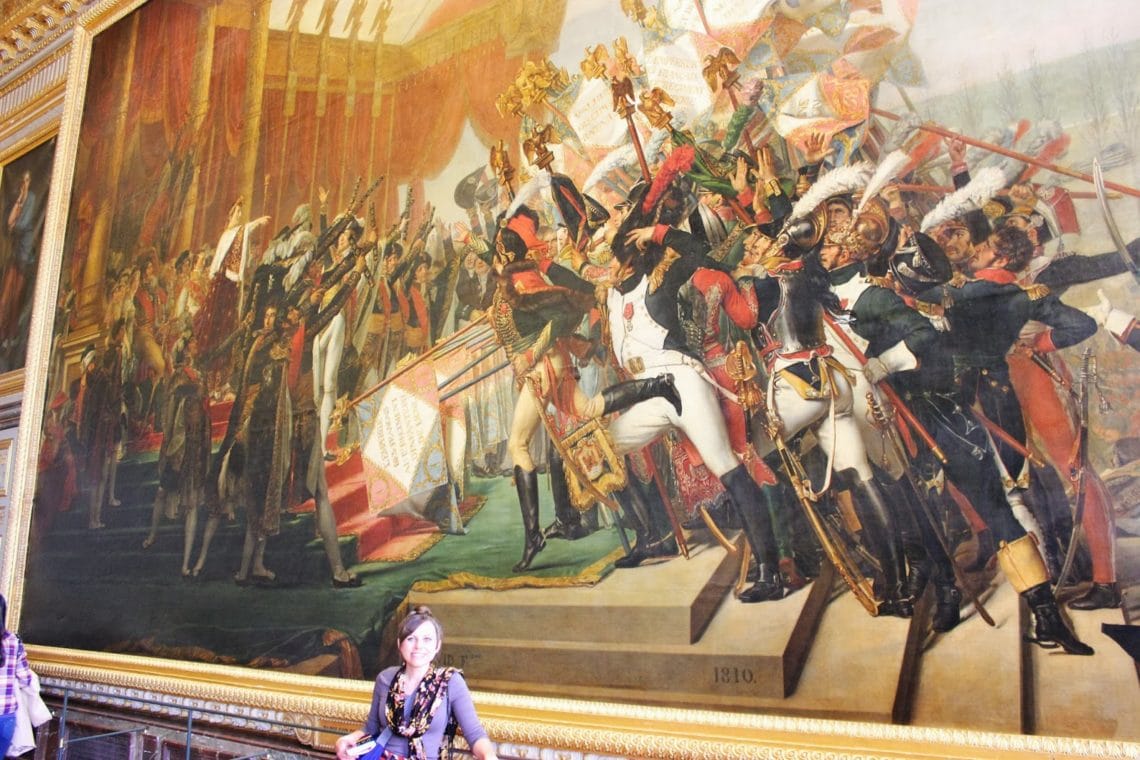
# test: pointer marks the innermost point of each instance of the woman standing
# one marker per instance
(17, 675)
(413, 703)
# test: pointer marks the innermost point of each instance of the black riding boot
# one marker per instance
(917, 554)
(567, 520)
(650, 543)
(884, 543)
(526, 483)
(1049, 629)
(947, 607)
(1100, 596)
(1023, 567)
(751, 503)
(623, 395)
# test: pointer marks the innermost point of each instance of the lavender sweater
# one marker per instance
(458, 702)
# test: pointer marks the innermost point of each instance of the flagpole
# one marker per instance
(943, 132)
(946, 190)
(447, 346)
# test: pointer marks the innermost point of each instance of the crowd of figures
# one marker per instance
(818, 339)
(774, 332)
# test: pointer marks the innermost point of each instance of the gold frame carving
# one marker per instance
(578, 725)
(5, 466)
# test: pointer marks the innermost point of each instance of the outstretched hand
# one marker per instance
(765, 164)
(957, 151)
(1101, 310)
(816, 147)
(640, 237)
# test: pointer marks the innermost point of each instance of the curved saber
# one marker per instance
(1082, 465)
(1110, 222)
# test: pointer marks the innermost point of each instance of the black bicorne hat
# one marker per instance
(921, 264)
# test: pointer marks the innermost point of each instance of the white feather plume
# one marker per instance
(624, 157)
(616, 158)
(985, 185)
(884, 173)
(839, 181)
(529, 191)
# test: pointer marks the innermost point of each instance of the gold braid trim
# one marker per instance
(588, 576)
(929, 309)
(503, 323)
(657, 276)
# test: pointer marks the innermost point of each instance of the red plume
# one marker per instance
(679, 161)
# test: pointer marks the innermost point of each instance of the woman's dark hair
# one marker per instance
(419, 615)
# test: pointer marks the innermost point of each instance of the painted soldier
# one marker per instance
(896, 340)
(537, 306)
(655, 262)
(986, 316)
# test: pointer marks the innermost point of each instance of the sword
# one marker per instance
(1082, 468)
(1110, 222)
(1043, 364)
(888, 391)
(881, 417)
(861, 587)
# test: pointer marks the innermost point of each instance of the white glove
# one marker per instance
(1101, 311)
(875, 370)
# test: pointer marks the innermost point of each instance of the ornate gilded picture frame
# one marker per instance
(275, 402)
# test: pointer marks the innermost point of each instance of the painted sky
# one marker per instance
(984, 38)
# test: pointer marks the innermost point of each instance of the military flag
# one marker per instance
(403, 449)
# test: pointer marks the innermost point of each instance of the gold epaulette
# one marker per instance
(1036, 291)
(929, 309)
(958, 280)
(880, 282)
(657, 276)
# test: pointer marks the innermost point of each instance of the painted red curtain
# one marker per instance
(222, 129)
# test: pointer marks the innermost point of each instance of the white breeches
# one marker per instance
(327, 349)
(700, 420)
(837, 432)
(879, 449)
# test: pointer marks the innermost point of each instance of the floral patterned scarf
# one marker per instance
(431, 693)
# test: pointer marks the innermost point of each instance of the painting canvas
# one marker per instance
(25, 184)
(373, 304)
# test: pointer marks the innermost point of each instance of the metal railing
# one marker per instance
(66, 742)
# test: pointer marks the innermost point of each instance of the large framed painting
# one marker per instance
(720, 373)
(24, 186)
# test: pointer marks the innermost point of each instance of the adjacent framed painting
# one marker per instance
(24, 180)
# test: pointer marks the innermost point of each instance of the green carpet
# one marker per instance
(100, 591)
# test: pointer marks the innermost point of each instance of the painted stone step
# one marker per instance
(987, 694)
(669, 602)
(669, 633)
